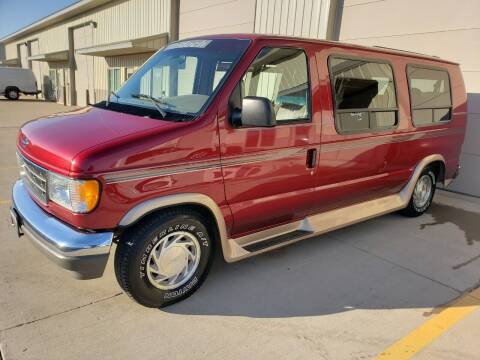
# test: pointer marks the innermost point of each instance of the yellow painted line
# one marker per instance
(442, 320)
(2, 202)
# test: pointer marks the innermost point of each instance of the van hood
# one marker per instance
(57, 142)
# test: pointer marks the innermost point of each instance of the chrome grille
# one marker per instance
(34, 177)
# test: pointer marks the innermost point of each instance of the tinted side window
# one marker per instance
(364, 95)
(429, 95)
(280, 75)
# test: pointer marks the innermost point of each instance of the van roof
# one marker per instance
(378, 49)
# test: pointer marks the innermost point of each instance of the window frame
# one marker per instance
(428, 67)
(125, 72)
(342, 111)
(109, 70)
(309, 89)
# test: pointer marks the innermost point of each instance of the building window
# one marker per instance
(430, 96)
(281, 76)
(114, 79)
(364, 95)
(129, 72)
(183, 70)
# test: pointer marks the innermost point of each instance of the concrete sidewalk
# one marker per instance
(347, 295)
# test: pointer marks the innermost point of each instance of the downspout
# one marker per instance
(71, 59)
(334, 20)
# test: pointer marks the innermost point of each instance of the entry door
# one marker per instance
(269, 173)
(66, 83)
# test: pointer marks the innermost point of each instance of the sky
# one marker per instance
(17, 14)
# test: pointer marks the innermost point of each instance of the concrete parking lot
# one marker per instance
(392, 286)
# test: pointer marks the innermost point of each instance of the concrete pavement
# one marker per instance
(347, 295)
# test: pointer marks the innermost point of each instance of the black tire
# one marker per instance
(413, 209)
(12, 93)
(136, 245)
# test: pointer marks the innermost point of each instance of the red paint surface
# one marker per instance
(91, 142)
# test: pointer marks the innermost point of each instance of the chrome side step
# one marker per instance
(277, 240)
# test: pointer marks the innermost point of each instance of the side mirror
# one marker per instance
(256, 112)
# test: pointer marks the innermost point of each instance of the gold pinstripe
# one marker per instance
(270, 155)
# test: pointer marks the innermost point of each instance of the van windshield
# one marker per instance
(181, 78)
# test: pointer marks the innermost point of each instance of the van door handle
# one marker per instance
(311, 158)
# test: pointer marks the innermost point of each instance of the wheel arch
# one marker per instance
(436, 160)
(201, 203)
(438, 167)
(11, 87)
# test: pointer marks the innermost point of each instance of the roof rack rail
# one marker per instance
(411, 52)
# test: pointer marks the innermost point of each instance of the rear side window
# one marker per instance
(430, 96)
(364, 95)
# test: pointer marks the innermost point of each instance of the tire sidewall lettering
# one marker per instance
(202, 238)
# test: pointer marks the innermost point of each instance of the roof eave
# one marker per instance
(63, 14)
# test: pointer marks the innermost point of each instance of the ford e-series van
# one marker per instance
(239, 144)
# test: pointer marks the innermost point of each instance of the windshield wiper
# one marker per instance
(155, 101)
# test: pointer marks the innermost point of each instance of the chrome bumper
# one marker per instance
(84, 254)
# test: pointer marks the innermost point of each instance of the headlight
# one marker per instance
(79, 196)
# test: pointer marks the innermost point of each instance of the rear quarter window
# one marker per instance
(430, 95)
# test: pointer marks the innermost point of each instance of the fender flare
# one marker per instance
(407, 191)
(151, 205)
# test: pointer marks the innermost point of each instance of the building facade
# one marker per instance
(83, 52)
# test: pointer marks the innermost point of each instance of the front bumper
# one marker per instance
(84, 254)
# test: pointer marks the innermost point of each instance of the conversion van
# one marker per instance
(16, 81)
(239, 144)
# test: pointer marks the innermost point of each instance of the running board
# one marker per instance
(277, 240)
(314, 225)
(265, 240)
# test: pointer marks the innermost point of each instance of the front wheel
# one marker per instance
(165, 258)
(422, 194)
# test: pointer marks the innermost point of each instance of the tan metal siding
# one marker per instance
(302, 18)
(216, 17)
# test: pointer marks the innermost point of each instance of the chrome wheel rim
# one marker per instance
(173, 260)
(12, 94)
(423, 189)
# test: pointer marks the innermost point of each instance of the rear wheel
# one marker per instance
(165, 258)
(422, 194)
(12, 93)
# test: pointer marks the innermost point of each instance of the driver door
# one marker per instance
(269, 173)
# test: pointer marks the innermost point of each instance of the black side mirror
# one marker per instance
(256, 112)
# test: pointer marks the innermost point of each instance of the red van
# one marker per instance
(238, 143)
